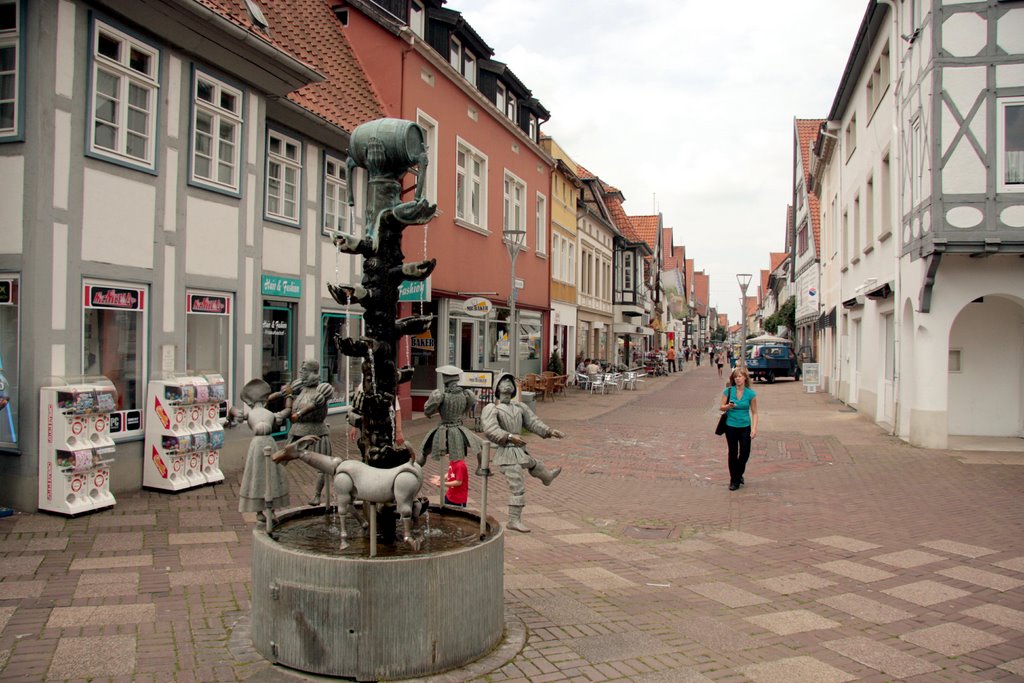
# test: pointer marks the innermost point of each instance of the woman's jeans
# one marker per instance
(738, 439)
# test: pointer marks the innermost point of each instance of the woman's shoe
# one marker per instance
(733, 486)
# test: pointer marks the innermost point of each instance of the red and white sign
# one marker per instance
(208, 304)
(121, 298)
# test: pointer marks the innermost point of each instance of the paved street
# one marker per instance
(847, 556)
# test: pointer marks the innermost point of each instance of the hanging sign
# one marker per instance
(478, 306)
(414, 290)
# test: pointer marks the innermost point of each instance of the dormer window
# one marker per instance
(455, 53)
(533, 127)
(499, 98)
(469, 67)
(416, 18)
(512, 109)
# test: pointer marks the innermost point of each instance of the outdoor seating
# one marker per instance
(558, 383)
(613, 380)
(538, 384)
(596, 382)
(582, 381)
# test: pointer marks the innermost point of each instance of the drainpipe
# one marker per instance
(896, 225)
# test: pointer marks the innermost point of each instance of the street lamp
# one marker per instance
(514, 241)
(744, 280)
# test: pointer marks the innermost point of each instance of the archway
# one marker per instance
(986, 368)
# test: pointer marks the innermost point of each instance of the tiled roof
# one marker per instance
(310, 31)
(763, 288)
(751, 305)
(236, 12)
(647, 229)
(723, 320)
(777, 258)
(701, 287)
(806, 133)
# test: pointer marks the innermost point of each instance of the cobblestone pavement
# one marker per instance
(847, 556)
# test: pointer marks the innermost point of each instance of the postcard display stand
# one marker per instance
(184, 435)
(75, 447)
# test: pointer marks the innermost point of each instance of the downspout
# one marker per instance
(896, 225)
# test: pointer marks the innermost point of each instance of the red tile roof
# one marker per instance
(807, 133)
(647, 229)
(701, 287)
(236, 12)
(751, 305)
(776, 259)
(723, 320)
(309, 30)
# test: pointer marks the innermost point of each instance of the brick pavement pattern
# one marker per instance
(847, 556)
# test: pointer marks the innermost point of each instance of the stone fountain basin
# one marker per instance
(377, 618)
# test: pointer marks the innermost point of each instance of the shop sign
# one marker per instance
(121, 298)
(414, 290)
(8, 295)
(811, 373)
(208, 304)
(275, 285)
(423, 341)
(478, 307)
(477, 379)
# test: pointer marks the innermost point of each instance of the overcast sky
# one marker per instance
(687, 106)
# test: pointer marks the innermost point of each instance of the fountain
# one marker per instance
(328, 597)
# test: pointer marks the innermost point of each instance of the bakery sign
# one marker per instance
(120, 298)
(208, 304)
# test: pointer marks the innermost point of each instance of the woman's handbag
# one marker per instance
(720, 429)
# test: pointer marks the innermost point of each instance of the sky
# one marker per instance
(687, 106)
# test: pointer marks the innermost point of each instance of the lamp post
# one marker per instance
(744, 280)
(514, 242)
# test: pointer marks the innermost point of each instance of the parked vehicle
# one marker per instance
(770, 360)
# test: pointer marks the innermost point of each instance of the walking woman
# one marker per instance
(740, 401)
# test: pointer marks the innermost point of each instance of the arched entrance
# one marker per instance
(986, 368)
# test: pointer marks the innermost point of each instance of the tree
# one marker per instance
(786, 315)
(719, 334)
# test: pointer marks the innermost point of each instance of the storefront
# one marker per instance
(474, 338)
(563, 334)
(9, 365)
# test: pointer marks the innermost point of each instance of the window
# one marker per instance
(879, 81)
(416, 17)
(124, 97)
(340, 371)
(499, 97)
(571, 267)
(800, 196)
(336, 208)
(1010, 143)
(512, 109)
(846, 237)
(885, 210)
(455, 53)
(542, 223)
(627, 271)
(513, 215)
(469, 67)
(284, 175)
(916, 162)
(10, 365)
(216, 133)
(534, 129)
(869, 214)
(278, 333)
(429, 127)
(850, 138)
(801, 238)
(556, 257)
(11, 83)
(114, 341)
(855, 229)
(208, 331)
(470, 185)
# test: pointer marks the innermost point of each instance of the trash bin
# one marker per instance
(529, 399)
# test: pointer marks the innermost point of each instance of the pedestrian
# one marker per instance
(456, 481)
(671, 357)
(720, 360)
(732, 358)
(740, 401)
(594, 370)
(502, 424)
(696, 352)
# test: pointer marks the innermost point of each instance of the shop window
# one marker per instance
(114, 325)
(340, 371)
(125, 78)
(278, 331)
(9, 366)
(208, 334)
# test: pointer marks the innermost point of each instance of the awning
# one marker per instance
(882, 292)
(854, 302)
